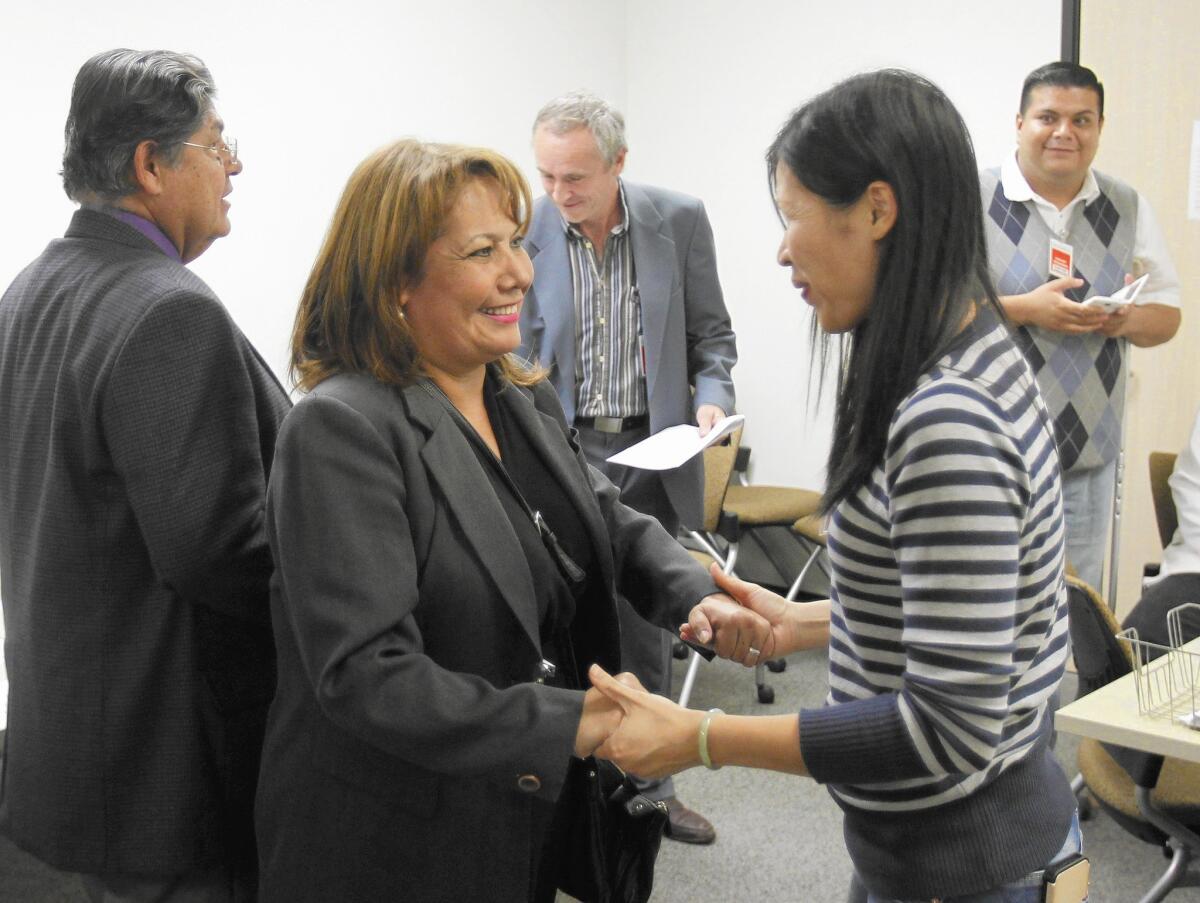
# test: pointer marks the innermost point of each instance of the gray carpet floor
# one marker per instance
(778, 837)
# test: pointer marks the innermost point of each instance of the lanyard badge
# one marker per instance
(1061, 258)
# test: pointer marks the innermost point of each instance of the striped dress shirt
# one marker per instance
(609, 370)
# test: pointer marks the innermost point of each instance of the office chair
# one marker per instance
(1154, 798)
(770, 506)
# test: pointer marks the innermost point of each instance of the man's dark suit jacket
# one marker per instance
(137, 427)
(408, 743)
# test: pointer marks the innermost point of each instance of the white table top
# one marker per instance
(1110, 714)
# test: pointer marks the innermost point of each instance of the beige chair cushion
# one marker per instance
(1177, 792)
(812, 528)
(758, 505)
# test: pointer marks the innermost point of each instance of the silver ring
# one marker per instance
(754, 652)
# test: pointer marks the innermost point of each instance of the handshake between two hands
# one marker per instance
(652, 736)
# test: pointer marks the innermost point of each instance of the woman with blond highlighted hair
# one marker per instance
(447, 562)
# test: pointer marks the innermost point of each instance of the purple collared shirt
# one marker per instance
(147, 228)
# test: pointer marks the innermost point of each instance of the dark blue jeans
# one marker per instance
(1023, 890)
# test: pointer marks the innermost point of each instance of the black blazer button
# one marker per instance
(530, 783)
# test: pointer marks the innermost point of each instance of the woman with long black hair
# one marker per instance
(947, 626)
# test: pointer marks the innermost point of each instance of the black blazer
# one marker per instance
(137, 427)
(408, 742)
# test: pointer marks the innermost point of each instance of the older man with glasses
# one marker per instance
(138, 425)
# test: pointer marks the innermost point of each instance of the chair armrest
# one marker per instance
(728, 527)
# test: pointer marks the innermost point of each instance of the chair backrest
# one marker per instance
(1099, 659)
(718, 468)
(1162, 465)
(1099, 656)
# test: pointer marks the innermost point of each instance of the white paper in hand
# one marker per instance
(1117, 300)
(673, 446)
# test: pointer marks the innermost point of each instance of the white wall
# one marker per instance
(710, 83)
(310, 88)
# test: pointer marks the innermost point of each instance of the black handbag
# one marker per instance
(612, 837)
(613, 830)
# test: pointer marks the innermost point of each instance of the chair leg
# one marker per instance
(1083, 800)
(799, 581)
(1180, 857)
(689, 679)
(766, 694)
(706, 544)
(1177, 831)
(725, 562)
(1183, 842)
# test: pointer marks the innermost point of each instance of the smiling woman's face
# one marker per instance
(831, 250)
(464, 313)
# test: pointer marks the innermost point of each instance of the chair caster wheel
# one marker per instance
(777, 665)
(679, 650)
(766, 695)
(1085, 806)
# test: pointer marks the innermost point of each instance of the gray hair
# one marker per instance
(579, 109)
(120, 99)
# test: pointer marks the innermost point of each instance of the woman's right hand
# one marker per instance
(655, 737)
(601, 716)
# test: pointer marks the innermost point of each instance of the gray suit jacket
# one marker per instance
(137, 427)
(688, 337)
(408, 746)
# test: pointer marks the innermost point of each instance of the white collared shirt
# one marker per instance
(1182, 555)
(1149, 245)
(610, 376)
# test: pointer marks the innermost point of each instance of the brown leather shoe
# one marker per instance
(687, 825)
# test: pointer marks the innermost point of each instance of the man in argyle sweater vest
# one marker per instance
(1058, 233)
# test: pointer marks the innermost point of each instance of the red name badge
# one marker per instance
(1060, 259)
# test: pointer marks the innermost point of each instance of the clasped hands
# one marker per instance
(652, 736)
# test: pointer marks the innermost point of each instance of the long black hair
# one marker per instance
(892, 126)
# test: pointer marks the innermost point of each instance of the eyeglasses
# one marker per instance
(226, 149)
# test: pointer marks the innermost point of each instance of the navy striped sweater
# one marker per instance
(949, 620)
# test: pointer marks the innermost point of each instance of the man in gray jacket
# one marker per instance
(627, 313)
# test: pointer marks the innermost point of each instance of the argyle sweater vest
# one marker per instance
(1082, 377)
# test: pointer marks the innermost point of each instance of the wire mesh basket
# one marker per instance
(1167, 678)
